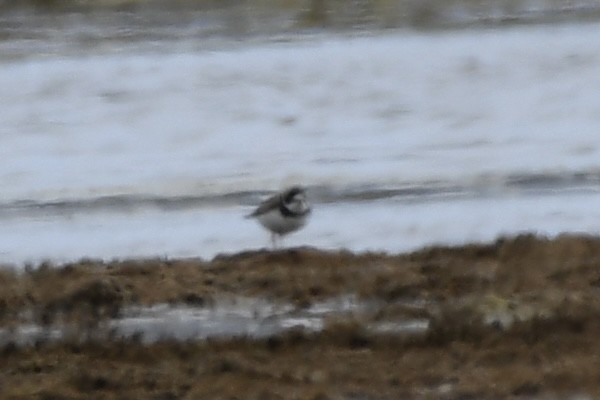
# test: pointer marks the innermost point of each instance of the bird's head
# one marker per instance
(295, 200)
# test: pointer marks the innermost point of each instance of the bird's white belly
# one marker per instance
(277, 223)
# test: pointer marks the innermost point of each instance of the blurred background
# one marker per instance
(141, 128)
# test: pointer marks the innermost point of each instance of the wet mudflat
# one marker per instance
(514, 318)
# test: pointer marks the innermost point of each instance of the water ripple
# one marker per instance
(412, 192)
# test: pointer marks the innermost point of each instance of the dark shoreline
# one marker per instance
(276, 17)
(544, 293)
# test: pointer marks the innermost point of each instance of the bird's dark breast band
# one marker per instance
(287, 213)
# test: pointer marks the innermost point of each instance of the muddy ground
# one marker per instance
(517, 318)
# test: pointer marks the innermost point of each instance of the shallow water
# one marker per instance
(404, 139)
(243, 317)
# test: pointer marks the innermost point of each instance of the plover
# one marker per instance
(283, 213)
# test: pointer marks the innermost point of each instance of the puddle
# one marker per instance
(414, 326)
(245, 317)
(242, 317)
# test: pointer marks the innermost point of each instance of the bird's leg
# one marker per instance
(274, 240)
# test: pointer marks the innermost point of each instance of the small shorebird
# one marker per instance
(283, 213)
